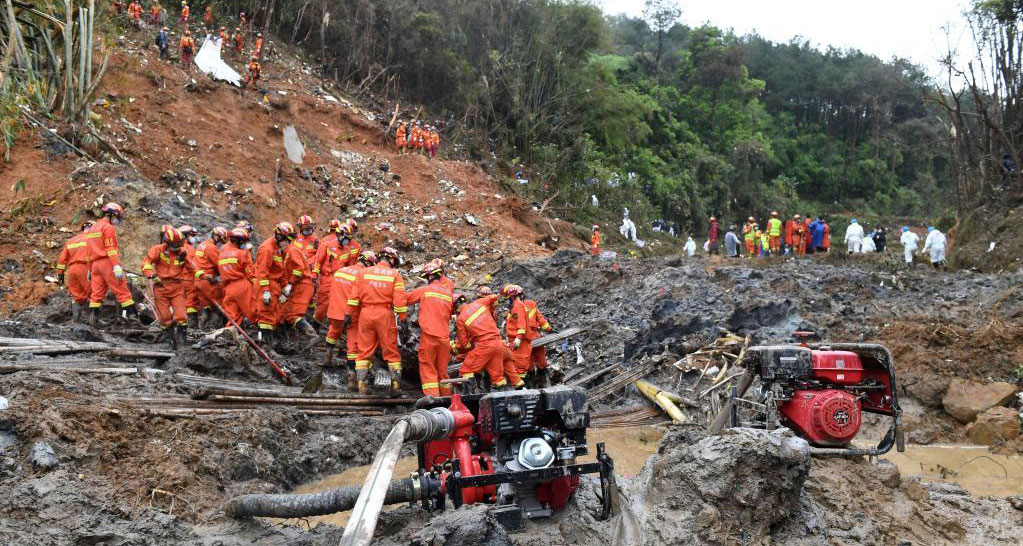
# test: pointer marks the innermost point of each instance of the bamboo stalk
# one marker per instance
(138, 353)
(320, 401)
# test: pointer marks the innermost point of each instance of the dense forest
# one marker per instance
(672, 121)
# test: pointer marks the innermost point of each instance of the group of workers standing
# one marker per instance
(298, 279)
(417, 138)
(799, 236)
(233, 43)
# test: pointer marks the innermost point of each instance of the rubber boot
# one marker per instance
(94, 317)
(360, 377)
(204, 319)
(266, 338)
(167, 334)
(353, 383)
(303, 326)
(542, 381)
(76, 312)
(193, 320)
(181, 335)
(131, 312)
(395, 386)
(328, 360)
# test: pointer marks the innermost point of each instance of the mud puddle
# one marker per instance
(629, 447)
(976, 469)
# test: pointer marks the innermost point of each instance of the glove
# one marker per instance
(287, 291)
(118, 272)
(347, 322)
(266, 297)
(282, 298)
(403, 317)
(517, 343)
(155, 279)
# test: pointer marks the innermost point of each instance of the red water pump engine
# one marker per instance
(822, 391)
(517, 450)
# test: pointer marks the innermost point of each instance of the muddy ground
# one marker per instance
(123, 476)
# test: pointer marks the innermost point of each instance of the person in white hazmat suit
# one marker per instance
(935, 246)
(910, 242)
(854, 236)
(868, 244)
(690, 247)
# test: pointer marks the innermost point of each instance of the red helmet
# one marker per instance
(353, 226)
(187, 230)
(434, 267)
(285, 229)
(112, 209)
(483, 290)
(368, 258)
(239, 234)
(171, 235)
(459, 298)
(304, 221)
(244, 224)
(334, 225)
(596, 227)
(510, 291)
(390, 254)
(219, 234)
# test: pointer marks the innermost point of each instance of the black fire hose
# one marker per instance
(305, 505)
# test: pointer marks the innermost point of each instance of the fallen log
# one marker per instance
(662, 399)
(75, 369)
(594, 375)
(140, 353)
(297, 400)
(171, 413)
(557, 336)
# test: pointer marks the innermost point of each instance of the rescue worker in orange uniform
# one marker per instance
(255, 71)
(238, 39)
(437, 265)
(187, 45)
(400, 137)
(135, 13)
(208, 288)
(774, 234)
(325, 263)
(257, 51)
(234, 264)
(595, 241)
(750, 238)
(185, 13)
(378, 296)
(225, 40)
(207, 16)
(270, 278)
(191, 298)
(536, 323)
(73, 271)
(105, 270)
(480, 341)
(342, 288)
(299, 289)
(796, 238)
(166, 266)
(307, 241)
(515, 327)
(436, 305)
(349, 245)
(154, 14)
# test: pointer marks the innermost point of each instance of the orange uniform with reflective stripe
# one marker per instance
(299, 272)
(516, 326)
(379, 295)
(435, 308)
(170, 268)
(353, 250)
(204, 263)
(74, 263)
(101, 240)
(477, 333)
(595, 243)
(341, 289)
(236, 269)
(536, 323)
(270, 276)
(325, 263)
(308, 244)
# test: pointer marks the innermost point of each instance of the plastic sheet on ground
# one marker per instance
(209, 62)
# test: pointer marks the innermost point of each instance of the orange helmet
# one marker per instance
(285, 230)
(219, 234)
(368, 258)
(509, 291)
(239, 234)
(390, 254)
(334, 225)
(434, 267)
(112, 209)
(171, 235)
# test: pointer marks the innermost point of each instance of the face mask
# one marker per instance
(247, 246)
(283, 244)
(307, 232)
(193, 240)
(345, 241)
(115, 221)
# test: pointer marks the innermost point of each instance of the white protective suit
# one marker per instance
(854, 237)
(935, 245)
(910, 242)
(690, 247)
(868, 245)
